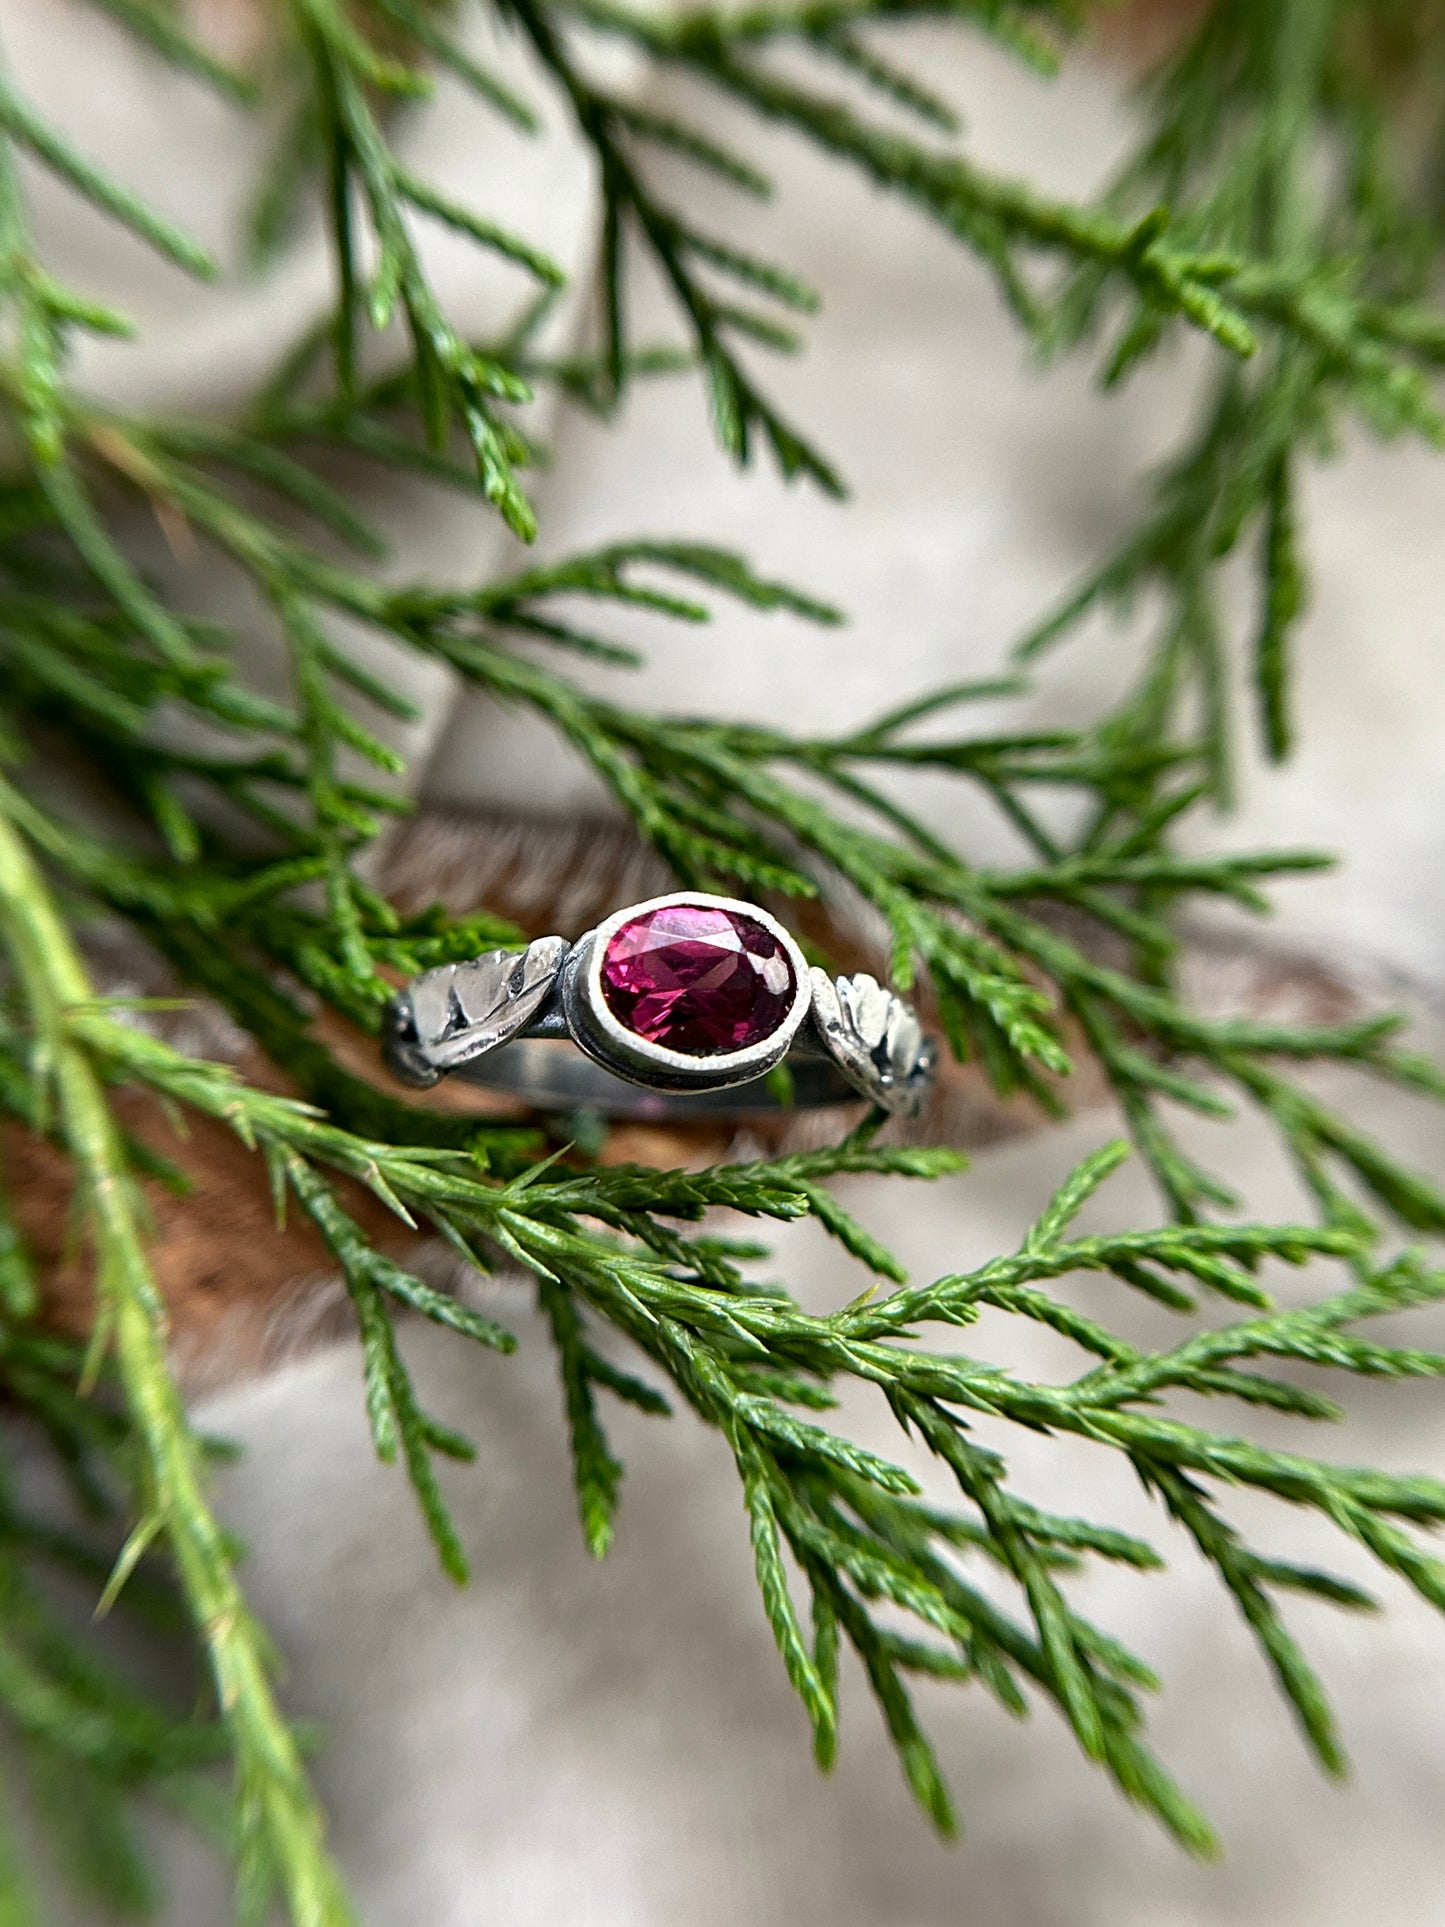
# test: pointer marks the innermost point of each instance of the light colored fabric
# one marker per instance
(616, 1746)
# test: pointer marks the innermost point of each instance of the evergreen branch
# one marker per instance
(20, 124)
(740, 412)
(396, 1418)
(596, 1473)
(708, 1336)
(422, 29)
(1313, 281)
(160, 31)
(281, 1828)
(452, 380)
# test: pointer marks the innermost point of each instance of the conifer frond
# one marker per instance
(1312, 282)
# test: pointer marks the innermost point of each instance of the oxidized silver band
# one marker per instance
(679, 1006)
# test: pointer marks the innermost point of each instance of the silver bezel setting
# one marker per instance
(599, 1032)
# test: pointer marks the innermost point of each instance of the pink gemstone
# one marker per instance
(698, 980)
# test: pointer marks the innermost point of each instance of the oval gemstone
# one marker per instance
(697, 979)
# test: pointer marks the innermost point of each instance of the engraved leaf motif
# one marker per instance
(875, 1039)
(461, 1010)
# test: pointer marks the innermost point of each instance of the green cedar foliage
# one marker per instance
(1274, 207)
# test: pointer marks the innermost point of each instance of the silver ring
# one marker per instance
(679, 1006)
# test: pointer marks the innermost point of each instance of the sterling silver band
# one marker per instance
(537, 1023)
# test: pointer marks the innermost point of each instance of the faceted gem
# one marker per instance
(697, 979)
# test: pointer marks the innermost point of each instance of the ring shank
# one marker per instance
(553, 1075)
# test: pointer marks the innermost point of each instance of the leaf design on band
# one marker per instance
(875, 1039)
(458, 1011)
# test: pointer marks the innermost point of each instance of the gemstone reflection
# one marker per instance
(697, 979)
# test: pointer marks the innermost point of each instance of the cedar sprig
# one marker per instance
(1311, 280)
(89, 1744)
(746, 1358)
